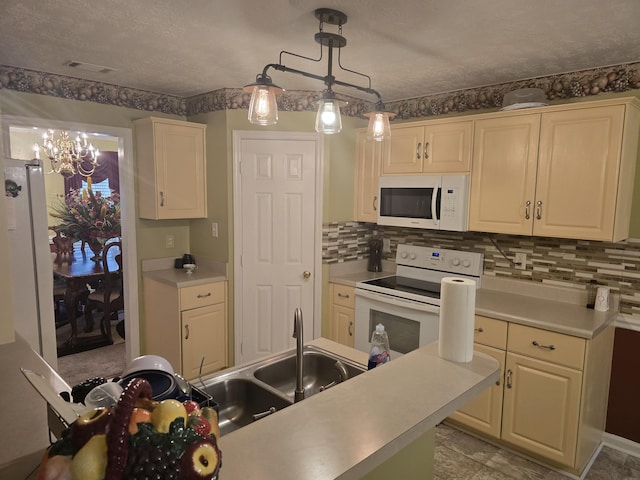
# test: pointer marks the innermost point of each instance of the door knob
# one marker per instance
(306, 274)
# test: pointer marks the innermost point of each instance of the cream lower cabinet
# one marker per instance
(187, 326)
(171, 158)
(343, 313)
(484, 412)
(429, 147)
(565, 171)
(553, 397)
(368, 164)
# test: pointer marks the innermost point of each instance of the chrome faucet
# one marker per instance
(298, 335)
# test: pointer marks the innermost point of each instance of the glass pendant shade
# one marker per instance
(328, 118)
(263, 108)
(379, 128)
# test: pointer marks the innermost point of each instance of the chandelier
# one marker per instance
(263, 108)
(67, 156)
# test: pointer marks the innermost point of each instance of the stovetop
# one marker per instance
(421, 269)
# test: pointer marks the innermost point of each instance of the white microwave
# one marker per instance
(439, 202)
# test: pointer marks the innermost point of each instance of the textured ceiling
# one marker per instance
(409, 47)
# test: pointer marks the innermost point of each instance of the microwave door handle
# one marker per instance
(434, 204)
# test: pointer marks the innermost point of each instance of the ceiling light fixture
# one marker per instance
(67, 156)
(263, 108)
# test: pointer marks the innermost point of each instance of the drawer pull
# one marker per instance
(527, 214)
(349, 329)
(418, 150)
(546, 347)
(204, 295)
(162, 199)
(478, 330)
(186, 328)
(509, 373)
(343, 295)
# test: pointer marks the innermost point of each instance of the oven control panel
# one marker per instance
(451, 261)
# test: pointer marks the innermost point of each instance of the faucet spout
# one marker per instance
(299, 336)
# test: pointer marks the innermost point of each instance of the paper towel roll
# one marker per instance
(457, 319)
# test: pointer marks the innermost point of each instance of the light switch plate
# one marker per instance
(214, 229)
(520, 260)
(169, 241)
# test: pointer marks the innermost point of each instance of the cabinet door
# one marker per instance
(405, 150)
(343, 324)
(484, 412)
(204, 336)
(368, 164)
(541, 408)
(578, 170)
(504, 174)
(447, 148)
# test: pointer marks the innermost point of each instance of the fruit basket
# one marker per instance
(139, 438)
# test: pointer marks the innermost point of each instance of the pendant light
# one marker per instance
(263, 108)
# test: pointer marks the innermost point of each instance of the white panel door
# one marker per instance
(277, 241)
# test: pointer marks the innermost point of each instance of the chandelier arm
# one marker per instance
(353, 71)
(299, 56)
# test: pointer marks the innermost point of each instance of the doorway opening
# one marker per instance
(51, 315)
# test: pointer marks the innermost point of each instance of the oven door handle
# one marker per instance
(400, 302)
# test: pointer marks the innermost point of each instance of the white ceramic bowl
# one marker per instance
(146, 363)
(189, 267)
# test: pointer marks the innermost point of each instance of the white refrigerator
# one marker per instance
(31, 276)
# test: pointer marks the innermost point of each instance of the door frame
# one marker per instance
(126, 171)
(238, 137)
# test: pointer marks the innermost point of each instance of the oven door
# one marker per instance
(408, 323)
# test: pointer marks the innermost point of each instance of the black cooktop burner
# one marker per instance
(410, 285)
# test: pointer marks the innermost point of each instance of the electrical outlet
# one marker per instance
(521, 261)
(386, 245)
(214, 229)
(169, 241)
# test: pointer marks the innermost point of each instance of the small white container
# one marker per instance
(602, 299)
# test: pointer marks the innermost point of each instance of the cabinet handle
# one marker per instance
(375, 207)
(350, 331)
(343, 295)
(204, 295)
(162, 199)
(527, 213)
(546, 347)
(186, 328)
(509, 373)
(539, 210)
(418, 150)
(478, 330)
(426, 150)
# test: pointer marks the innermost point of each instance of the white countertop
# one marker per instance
(180, 278)
(348, 430)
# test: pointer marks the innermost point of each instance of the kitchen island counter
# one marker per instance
(351, 429)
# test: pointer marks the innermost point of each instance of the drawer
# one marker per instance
(343, 295)
(545, 345)
(202, 295)
(490, 332)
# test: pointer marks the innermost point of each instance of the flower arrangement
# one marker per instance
(87, 216)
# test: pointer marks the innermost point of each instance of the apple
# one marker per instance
(138, 415)
(57, 467)
(191, 406)
(212, 417)
(93, 422)
(166, 412)
(200, 460)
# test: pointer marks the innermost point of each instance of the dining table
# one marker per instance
(80, 272)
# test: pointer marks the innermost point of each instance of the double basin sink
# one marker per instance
(248, 393)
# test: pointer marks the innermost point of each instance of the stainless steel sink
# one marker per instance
(248, 393)
(320, 373)
(242, 401)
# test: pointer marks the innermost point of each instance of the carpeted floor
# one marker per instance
(106, 361)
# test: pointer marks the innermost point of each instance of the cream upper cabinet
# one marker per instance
(564, 171)
(170, 155)
(503, 177)
(429, 147)
(368, 164)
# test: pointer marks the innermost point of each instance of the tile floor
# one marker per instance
(460, 456)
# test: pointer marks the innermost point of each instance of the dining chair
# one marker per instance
(109, 296)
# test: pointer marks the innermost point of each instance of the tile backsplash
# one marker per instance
(552, 261)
